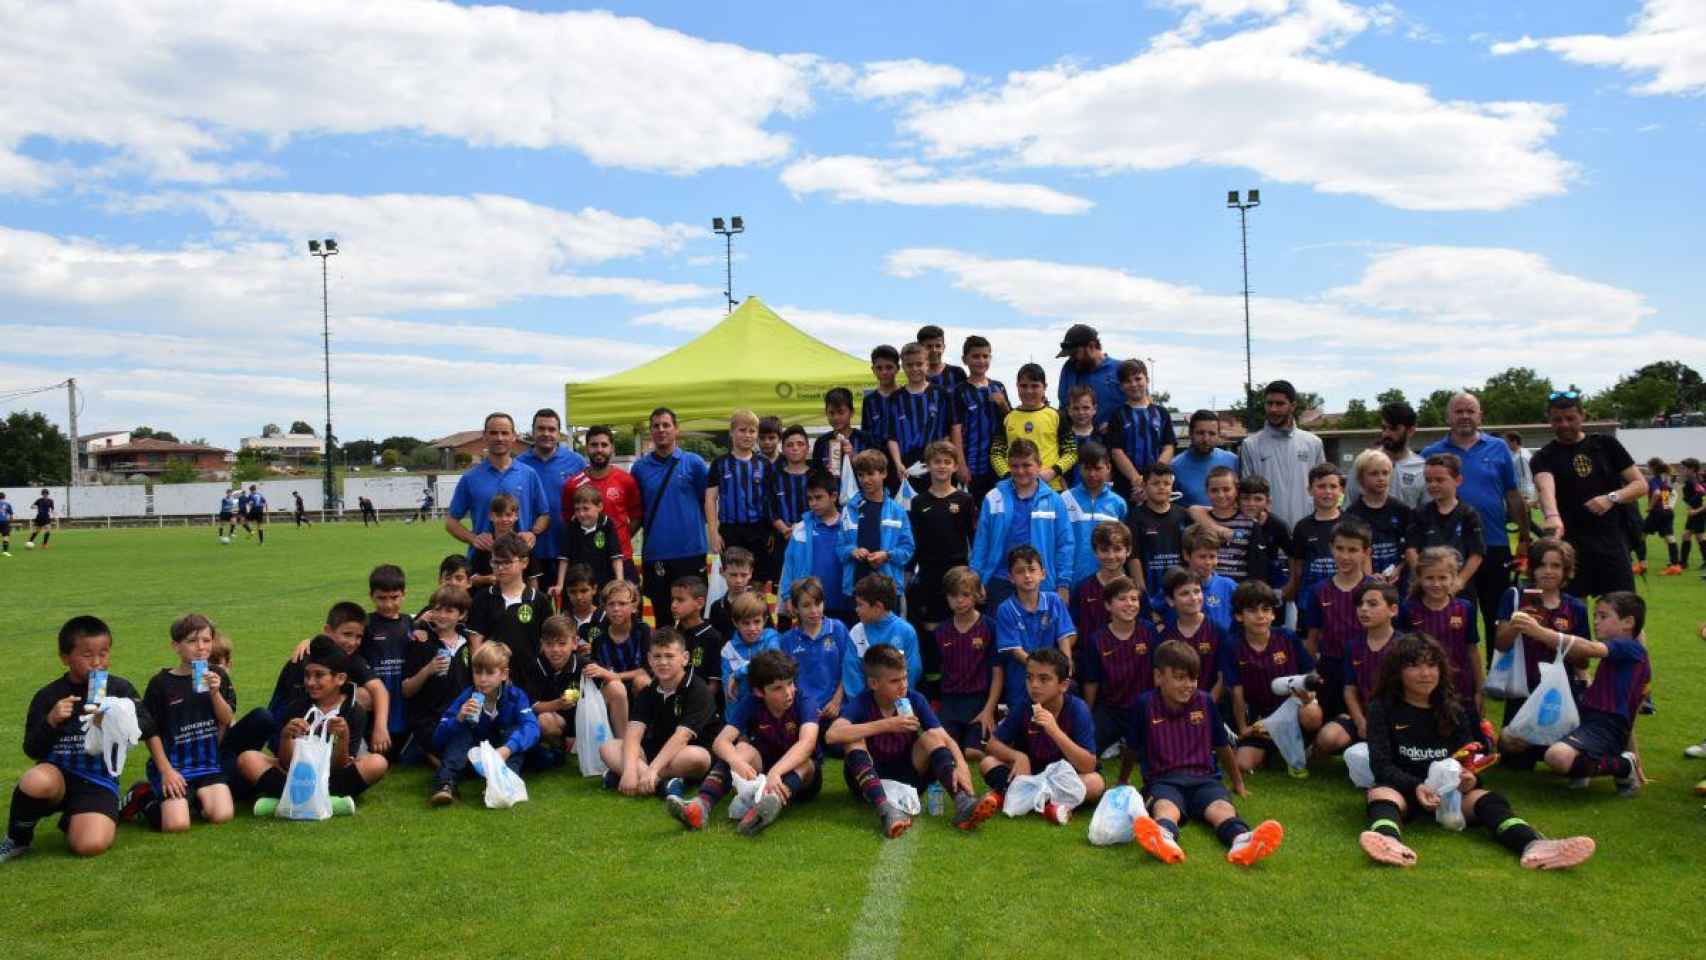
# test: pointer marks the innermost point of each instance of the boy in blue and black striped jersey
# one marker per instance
(184, 764)
(1139, 431)
(918, 415)
(979, 406)
(66, 779)
(843, 440)
(385, 645)
(791, 504)
(944, 375)
(740, 494)
(874, 408)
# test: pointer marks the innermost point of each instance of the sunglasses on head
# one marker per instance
(1565, 395)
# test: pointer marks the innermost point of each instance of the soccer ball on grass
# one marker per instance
(29, 544)
(224, 539)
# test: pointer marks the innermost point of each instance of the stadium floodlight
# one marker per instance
(325, 250)
(1252, 199)
(331, 245)
(716, 224)
(1232, 198)
(736, 225)
(314, 247)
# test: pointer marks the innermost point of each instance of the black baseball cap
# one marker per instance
(1078, 335)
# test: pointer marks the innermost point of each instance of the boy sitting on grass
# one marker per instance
(773, 732)
(1119, 657)
(492, 710)
(552, 681)
(885, 740)
(66, 779)
(183, 764)
(324, 678)
(664, 743)
(1604, 744)
(1181, 746)
(1053, 725)
(1376, 608)
(439, 663)
(618, 650)
(1262, 654)
(346, 623)
(874, 601)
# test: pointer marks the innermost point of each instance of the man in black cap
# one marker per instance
(1089, 366)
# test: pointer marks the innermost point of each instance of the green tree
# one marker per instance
(1633, 400)
(32, 450)
(179, 471)
(425, 455)
(1358, 416)
(1306, 400)
(149, 433)
(302, 427)
(389, 457)
(1432, 411)
(250, 466)
(271, 430)
(360, 452)
(401, 444)
(1514, 395)
(1685, 380)
(1394, 395)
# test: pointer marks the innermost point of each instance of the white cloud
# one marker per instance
(1270, 99)
(173, 86)
(1666, 42)
(886, 79)
(871, 179)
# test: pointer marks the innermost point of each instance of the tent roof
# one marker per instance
(752, 359)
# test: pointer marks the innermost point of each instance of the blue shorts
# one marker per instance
(1600, 735)
(958, 714)
(901, 772)
(1192, 795)
(1113, 725)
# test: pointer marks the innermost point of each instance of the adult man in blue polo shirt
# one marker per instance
(672, 485)
(1090, 366)
(497, 473)
(554, 463)
(1190, 469)
(1489, 485)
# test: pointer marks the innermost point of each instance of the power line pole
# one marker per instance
(71, 401)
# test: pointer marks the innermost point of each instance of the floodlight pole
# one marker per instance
(736, 225)
(1252, 199)
(325, 251)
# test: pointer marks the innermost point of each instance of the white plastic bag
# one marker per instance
(1357, 765)
(849, 483)
(903, 797)
(307, 793)
(716, 587)
(504, 787)
(1286, 730)
(592, 727)
(1444, 777)
(1058, 784)
(1550, 711)
(1507, 675)
(115, 734)
(745, 793)
(1114, 816)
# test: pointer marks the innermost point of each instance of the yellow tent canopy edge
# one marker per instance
(752, 358)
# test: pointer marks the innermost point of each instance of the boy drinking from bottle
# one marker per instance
(492, 710)
(191, 712)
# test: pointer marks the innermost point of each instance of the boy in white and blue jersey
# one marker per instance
(1029, 620)
(979, 406)
(818, 644)
(66, 779)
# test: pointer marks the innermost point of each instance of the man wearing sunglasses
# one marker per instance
(1581, 479)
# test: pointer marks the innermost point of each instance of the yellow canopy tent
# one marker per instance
(752, 359)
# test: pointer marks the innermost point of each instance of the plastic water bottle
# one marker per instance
(480, 702)
(935, 799)
(903, 706)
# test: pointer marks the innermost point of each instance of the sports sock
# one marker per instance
(1640, 549)
(1231, 829)
(792, 781)
(26, 812)
(1170, 826)
(271, 783)
(997, 778)
(715, 784)
(263, 535)
(152, 811)
(942, 764)
(1671, 547)
(863, 770)
(1493, 811)
(46, 537)
(1586, 766)
(1385, 818)
(1687, 547)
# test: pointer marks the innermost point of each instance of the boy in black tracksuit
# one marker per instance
(552, 680)
(435, 668)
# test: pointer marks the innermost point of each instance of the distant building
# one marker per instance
(89, 442)
(467, 446)
(288, 449)
(150, 458)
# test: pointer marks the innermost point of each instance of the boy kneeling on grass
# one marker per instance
(325, 685)
(1178, 737)
(772, 731)
(1052, 725)
(1414, 719)
(891, 733)
(492, 710)
(673, 718)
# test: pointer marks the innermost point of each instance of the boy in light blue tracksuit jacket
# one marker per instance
(1046, 527)
(1088, 503)
(873, 523)
(876, 597)
(812, 550)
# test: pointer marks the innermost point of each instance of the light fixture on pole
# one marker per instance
(728, 234)
(1252, 199)
(325, 250)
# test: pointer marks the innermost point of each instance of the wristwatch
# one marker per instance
(1612, 496)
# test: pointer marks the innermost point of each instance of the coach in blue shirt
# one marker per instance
(672, 485)
(497, 473)
(1089, 365)
(1489, 485)
(1190, 468)
(555, 464)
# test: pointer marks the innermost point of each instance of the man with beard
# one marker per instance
(555, 464)
(497, 473)
(621, 494)
(1580, 480)
(1089, 366)
(1282, 453)
(1190, 468)
(1397, 426)
(1488, 485)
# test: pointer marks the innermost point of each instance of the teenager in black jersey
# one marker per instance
(1413, 720)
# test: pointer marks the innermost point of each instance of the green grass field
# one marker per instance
(580, 872)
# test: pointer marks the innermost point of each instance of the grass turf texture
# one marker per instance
(579, 871)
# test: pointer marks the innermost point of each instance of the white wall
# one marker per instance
(126, 500)
(278, 493)
(22, 497)
(387, 493)
(188, 499)
(1671, 443)
(445, 489)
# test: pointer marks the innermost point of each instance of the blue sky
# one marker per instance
(523, 193)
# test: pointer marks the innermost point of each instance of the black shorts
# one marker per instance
(1113, 725)
(224, 516)
(809, 789)
(758, 538)
(5, 528)
(85, 796)
(1599, 573)
(1695, 524)
(1332, 692)
(1192, 795)
(41, 524)
(1600, 735)
(958, 714)
(1348, 725)
(192, 784)
(257, 518)
(1660, 522)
